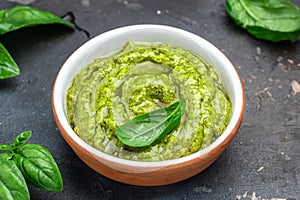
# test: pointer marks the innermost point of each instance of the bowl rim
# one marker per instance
(230, 131)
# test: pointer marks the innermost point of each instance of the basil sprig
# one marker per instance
(151, 127)
(31, 163)
(273, 20)
(16, 18)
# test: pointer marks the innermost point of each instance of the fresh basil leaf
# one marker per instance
(38, 167)
(12, 182)
(151, 127)
(5, 147)
(21, 139)
(273, 20)
(24, 16)
(5, 156)
(8, 67)
(16, 18)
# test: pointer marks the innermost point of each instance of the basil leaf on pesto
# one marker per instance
(24, 16)
(273, 20)
(8, 67)
(151, 127)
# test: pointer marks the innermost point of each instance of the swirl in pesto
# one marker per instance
(142, 77)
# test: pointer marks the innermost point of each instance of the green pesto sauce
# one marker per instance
(140, 78)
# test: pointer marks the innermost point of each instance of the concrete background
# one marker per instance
(262, 162)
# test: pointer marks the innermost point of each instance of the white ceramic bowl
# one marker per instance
(147, 173)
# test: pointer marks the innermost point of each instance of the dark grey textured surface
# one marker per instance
(262, 162)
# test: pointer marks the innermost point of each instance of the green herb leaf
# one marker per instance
(38, 167)
(8, 67)
(273, 20)
(16, 18)
(5, 156)
(4, 147)
(24, 16)
(151, 127)
(12, 182)
(21, 139)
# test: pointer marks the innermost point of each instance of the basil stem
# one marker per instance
(38, 167)
(151, 127)
(273, 20)
(8, 67)
(25, 16)
(12, 182)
